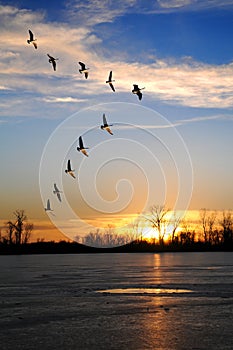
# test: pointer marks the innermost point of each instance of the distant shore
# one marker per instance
(64, 247)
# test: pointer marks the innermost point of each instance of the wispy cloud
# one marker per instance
(66, 99)
(221, 117)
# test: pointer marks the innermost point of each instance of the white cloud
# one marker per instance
(174, 3)
(27, 72)
(66, 99)
(92, 12)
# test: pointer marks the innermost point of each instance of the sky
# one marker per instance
(174, 147)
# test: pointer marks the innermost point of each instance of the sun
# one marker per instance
(150, 234)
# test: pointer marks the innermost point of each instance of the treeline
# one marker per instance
(215, 234)
(138, 246)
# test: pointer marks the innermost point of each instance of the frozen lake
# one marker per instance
(172, 301)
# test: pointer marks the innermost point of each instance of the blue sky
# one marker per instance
(180, 51)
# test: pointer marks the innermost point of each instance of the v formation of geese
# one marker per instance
(83, 69)
(105, 126)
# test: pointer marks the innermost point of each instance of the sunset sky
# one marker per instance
(173, 147)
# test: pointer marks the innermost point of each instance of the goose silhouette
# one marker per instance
(81, 147)
(32, 39)
(53, 61)
(136, 90)
(69, 170)
(48, 207)
(57, 192)
(83, 69)
(109, 81)
(105, 125)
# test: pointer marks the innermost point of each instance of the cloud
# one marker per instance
(92, 12)
(66, 99)
(206, 118)
(27, 78)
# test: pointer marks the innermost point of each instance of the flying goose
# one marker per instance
(109, 81)
(57, 192)
(136, 90)
(81, 148)
(105, 125)
(83, 69)
(69, 170)
(48, 207)
(31, 39)
(53, 61)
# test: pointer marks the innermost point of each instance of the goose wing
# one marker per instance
(34, 44)
(105, 120)
(68, 165)
(59, 196)
(82, 65)
(112, 87)
(109, 130)
(54, 64)
(48, 205)
(80, 142)
(30, 35)
(139, 94)
(56, 188)
(86, 75)
(135, 87)
(110, 76)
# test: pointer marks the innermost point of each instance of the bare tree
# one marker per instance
(203, 220)
(175, 222)
(27, 232)
(9, 232)
(227, 226)
(158, 221)
(137, 227)
(19, 231)
(207, 219)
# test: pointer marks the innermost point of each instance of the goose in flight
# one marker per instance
(109, 81)
(136, 90)
(48, 207)
(57, 192)
(81, 148)
(69, 170)
(106, 126)
(32, 39)
(83, 69)
(53, 61)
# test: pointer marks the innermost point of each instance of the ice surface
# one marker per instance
(57, 301)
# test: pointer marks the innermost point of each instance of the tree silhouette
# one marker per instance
(227, 226)
(19, 230)
(157, 220)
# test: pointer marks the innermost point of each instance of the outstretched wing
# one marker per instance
(86, 75)
(48, 205)
(82, 65)
(112, 87)
(68, 165)
(135, 87)
(110, 76)
(54, 64)
(72, 174)
(139, 94)
(105, 120)
(59, 196)
(80, 142)
(30, 35)
(56, 188)
(109, 130)
(34, 44)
